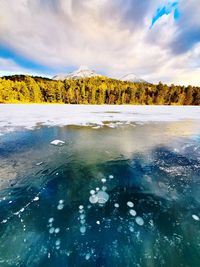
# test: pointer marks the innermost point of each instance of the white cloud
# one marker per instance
(109, 36)
(9, 67)
(7, 64)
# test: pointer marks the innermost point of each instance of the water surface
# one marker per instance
(124, 196)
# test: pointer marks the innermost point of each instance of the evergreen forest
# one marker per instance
(95, 90)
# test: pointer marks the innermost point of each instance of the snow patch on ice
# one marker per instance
(57, 142)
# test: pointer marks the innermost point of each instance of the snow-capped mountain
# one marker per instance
(82, 72)
(85, 72)
(131, 77)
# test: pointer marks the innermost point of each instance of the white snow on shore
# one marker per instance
(14, 116)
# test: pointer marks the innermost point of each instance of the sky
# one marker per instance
(156, 40)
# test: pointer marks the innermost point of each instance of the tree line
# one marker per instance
(95, 90)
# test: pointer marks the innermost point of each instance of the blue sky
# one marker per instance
(166, 10)
(157, 40)
(22, 61)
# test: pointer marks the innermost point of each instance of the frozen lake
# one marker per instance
(14, 116)
(103, 186)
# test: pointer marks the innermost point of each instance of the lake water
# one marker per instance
(123, 196)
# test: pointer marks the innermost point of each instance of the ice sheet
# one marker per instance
(14, 116)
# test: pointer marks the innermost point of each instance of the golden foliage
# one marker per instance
(95, 90)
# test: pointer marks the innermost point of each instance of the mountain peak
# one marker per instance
(131, 77)
(82, 72)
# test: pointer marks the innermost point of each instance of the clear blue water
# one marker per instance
(146, 214)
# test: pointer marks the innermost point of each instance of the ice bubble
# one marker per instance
(132, 212)
(81, 211)
(97, 189)
(61, 201)
(82, 229)
(130, 204)
(97, 222)
(51, 230)
(57, 230)
(36, 199)
(102, 197)
(131, 229)
(104, 188)
(139, 220)
(195, 217)
(87, 256)
(57, 243)
(60, 206)
(93, 199)
(22, 209)
(81, 207)
(111, 176)
(57, 142)
(82, 221)
(92, 192)
(103, 180)
(10, 202)
(82, 216)
(116, 205)
(51, 220)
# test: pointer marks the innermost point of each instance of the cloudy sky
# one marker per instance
(157, 40)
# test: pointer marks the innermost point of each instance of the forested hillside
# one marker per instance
(95, 90)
